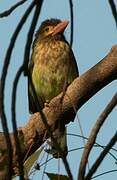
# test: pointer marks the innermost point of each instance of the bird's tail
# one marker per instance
(61, 140)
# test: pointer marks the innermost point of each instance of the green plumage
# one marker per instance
(51, 58)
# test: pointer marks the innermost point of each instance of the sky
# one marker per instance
(94, 35)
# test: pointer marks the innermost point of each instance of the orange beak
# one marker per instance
(60, 27)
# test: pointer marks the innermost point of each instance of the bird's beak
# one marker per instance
(60, 27)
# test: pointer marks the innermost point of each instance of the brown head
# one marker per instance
(51, 29)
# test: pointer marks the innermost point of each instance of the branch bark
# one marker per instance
(31, 136)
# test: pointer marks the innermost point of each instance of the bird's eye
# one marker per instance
(47, 29)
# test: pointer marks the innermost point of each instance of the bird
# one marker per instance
(52, 64)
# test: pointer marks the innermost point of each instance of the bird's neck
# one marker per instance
(50, 39)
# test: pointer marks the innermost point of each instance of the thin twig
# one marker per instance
(46, 162)
(79, 123)
(0, 100)
(101, 157)
(21, 69)
(9, 11)
(14, 124)
(114, 10)
(71, 42)
(107, 172)
(93, 135)
(72, 22)
(41, 159)
(71, 150)
(3, 79)
(58, 178)
(30, 36)
(45, 167)
(97, 144)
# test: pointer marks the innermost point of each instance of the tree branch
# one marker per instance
(30, 35)
(92, 137)
(101, 157)
(13, 104)
(2, 88)
(114, 10)
(72, 22)
(80, 91)
(9, 11)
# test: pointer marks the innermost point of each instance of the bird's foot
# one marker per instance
(46, 104)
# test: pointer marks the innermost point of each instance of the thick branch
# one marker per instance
(80, 91)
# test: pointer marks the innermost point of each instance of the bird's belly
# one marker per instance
(50, 71)
(48, 80)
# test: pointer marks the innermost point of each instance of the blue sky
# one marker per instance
(94, 35)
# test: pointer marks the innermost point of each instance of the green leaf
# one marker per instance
(31, 160)
(53, 176)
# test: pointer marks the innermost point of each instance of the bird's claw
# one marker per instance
(46, 104)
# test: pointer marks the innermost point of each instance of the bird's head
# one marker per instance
(51, 28)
